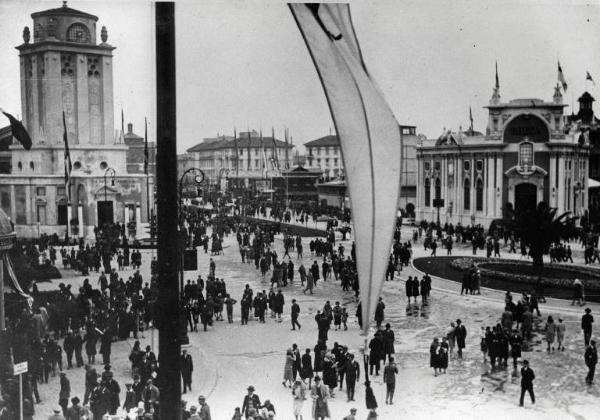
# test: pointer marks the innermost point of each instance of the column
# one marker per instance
(552, 185)
(560, 204)
(138, 221)
(126, 218)
(499, 184)
(28, 213)
(69, 217)
(472, 187)
(486, 186)
(80, 218)
(13, 204)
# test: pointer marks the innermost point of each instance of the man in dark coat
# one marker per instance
(295, 314)
(69, 346)
(591, 359)
(250, 399)
(527, 377)
(388, 341)
(187, 367)
(352, 376)
(379, 312)
(586, 325)
(461, 334)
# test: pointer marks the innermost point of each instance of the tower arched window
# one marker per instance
(467, 195)
(427, 192)
(479, 195)
(79, 33)
(438, 188)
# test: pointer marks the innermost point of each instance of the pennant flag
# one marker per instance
(146, 145)
(237, 156)
(588, 76)
(68, 164)
(561, 78)
(18, 131)
(122, 123)
(471, 118)
(369, 136)
(497, 79)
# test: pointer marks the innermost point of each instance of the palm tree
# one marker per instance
(539, 228)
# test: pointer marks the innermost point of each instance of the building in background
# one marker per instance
(325, 154)
(259, 159)
(529, 154)
(64, 69)
(136, 153)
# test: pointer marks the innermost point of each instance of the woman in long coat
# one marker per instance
(433, 356)
(550, 333)
(408, 288)
(320, 407)
(288, 374)
(330, 374)
(306, 371)
(376, 353)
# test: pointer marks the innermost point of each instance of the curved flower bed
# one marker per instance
(554, 275)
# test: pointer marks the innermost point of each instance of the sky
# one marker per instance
(243, 63)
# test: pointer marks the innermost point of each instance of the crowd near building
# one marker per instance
(64, 69)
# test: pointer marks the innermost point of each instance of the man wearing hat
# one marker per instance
(586, 325)
(352, 415)
(527, 377)
(57, 414)
(130, 398)
(591, 359)
(150, 395)
(75, 411)
(194, 413)
(187, 367)
(64, 393)
(204, 408)
(250, 398)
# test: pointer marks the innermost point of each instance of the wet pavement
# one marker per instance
(229, 357)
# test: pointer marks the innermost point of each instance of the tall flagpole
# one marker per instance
(168, 305)
(147, 171)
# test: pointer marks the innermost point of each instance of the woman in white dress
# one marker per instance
(299, 393)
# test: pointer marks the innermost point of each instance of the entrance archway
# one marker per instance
(525, 196)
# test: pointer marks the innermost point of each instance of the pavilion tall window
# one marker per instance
(479, 195)
(467, 195)
(526, 155)
(438, 188)
(427, 192)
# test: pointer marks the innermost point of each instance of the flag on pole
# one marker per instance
(274, 156)
(68, 164)
(237, 156)
(18, 130)
(146, 145)
(122, 123)
(249, 150)
(369, 134)
(561, 78)
(471, 117)
(588, 76)
(497, 79)
(287, 160)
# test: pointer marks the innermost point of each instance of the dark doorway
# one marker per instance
(525, 197)
(105, 212)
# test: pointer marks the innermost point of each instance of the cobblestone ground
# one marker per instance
(229, 357)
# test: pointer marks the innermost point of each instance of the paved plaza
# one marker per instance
(229, 357)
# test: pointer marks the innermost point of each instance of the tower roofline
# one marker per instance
(64, 11)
